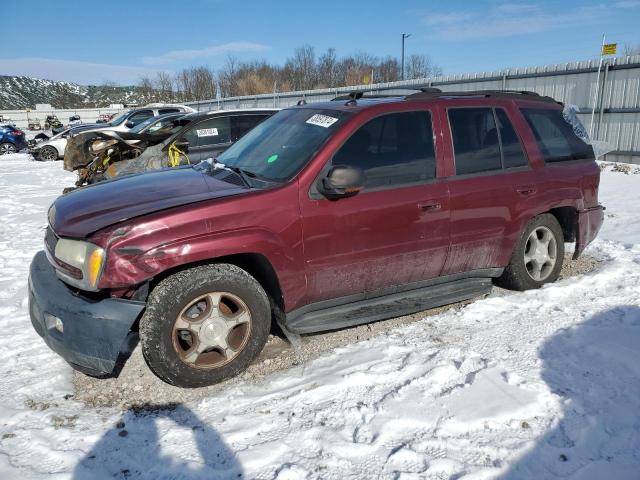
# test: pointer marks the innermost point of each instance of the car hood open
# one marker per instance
(80, 213)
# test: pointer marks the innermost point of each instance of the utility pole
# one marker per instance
(595, 93)
(404, 35)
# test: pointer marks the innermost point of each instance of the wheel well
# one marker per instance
(568, 219)
(257, 265)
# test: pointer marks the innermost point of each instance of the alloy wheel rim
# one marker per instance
(540, 253)
(48, 154)
(7, 148)
(211, 330)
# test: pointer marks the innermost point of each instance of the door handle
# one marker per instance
(430, 205)
(526, 190)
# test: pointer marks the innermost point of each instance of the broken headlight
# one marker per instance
(83, 256)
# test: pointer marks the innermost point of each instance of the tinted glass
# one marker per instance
(241, 124)
(475, 140)
(140, 117)
(212, 131)
(283, 144)
(555, 136)
(512, 152)
(394, 149)
(168, 110)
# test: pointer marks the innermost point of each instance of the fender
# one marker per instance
(145, 247)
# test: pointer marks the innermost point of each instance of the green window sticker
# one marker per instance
(272, 158)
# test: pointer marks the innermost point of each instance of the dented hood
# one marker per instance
(89, 209)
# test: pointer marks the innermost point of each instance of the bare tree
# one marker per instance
(328, 69)
(300, 70)
(164, 86)
(147, 92)
(421, 66)
(629, 50)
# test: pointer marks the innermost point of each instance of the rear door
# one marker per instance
(491, 187)
(395, 231)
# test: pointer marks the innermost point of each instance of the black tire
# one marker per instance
(7, 147)
(173, 295)
(48, 154)
(517, 275)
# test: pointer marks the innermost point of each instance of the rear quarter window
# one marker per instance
(555, 137)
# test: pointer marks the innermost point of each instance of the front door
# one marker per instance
(208, 138)
(396, 230)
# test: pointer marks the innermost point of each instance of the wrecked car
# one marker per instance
(324, 216)
(161, 143)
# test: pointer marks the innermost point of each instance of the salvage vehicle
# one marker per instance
(99, 155)
(12, 139)
(324, 216)
(48, 149)
(74, 120)
(34, 125)
(52, 123)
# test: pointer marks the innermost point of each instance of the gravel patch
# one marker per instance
(137, 387)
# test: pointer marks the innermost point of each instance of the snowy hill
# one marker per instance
(25, 92)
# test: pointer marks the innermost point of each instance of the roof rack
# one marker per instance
(426, 93)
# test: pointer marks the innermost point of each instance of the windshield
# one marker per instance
(281, 146)
(119, 119)
(141, 126)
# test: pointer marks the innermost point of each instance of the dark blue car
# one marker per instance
(12, 140)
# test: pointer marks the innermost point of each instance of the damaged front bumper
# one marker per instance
(94, 336)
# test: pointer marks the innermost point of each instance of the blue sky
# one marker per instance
(90, 42)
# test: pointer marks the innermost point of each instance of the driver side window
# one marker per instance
(212, 131)
(393, 150)
(140, 117)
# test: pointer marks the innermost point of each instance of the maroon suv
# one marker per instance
(324, 216)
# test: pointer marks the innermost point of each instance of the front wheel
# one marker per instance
(48, 154)
(204, 325)
(537, 257)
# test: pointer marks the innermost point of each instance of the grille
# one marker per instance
(50, 240)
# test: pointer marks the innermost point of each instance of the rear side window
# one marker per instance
(512, 152)
(555, 137)
(476, 143)
(168, 110)
(392, 150)
(241, 124)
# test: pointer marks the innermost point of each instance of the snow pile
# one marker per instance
(540, 384)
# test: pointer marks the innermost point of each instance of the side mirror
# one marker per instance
(129, 124)
(341, 181)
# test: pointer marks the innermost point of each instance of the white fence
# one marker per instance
(22, 118)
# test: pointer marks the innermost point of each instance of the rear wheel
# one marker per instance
(48, 154)
(7, 147)
(538, 255)
(204, 325)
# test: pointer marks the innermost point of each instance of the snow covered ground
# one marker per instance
(535, 385)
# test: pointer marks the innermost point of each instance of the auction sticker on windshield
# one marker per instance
(207, 132)
(322, 120)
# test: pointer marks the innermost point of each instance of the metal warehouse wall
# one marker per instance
(617, 118)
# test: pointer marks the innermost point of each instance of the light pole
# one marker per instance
(404, 35)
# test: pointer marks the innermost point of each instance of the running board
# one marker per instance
(388, 306)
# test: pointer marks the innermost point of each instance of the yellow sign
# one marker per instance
(609, 48)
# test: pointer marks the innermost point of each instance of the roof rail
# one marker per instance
(424, 94)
